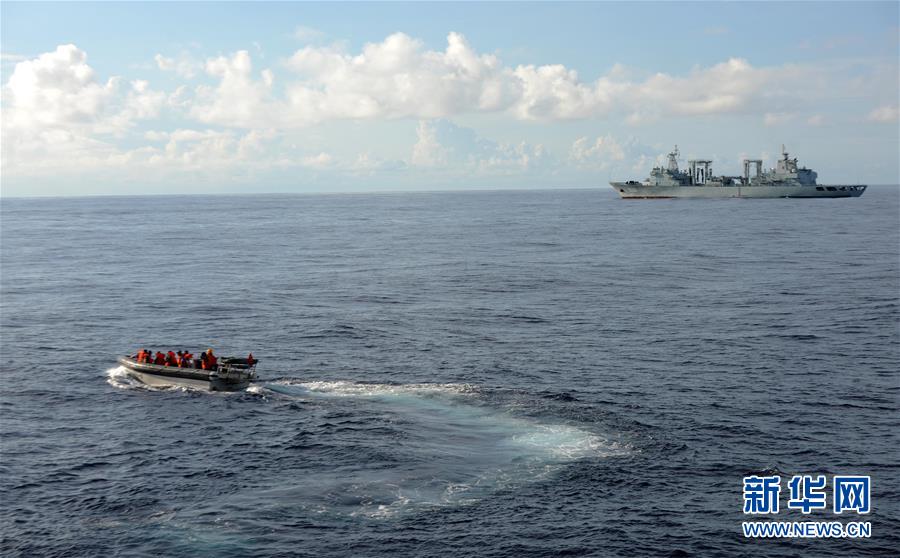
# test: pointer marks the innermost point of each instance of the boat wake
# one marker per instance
(119, 377)
(420, 446)
(378, 449)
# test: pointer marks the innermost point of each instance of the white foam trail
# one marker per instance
(458, 447)
(353, 389)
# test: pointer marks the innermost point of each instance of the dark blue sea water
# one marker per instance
(445, 374)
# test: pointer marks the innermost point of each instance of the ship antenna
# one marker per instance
(673, 159)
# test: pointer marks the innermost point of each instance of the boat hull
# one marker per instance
(168, 376)
(640, 191)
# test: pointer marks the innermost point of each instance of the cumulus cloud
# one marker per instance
(442, 144)
(734, 86)
(607, 152)
(396, 78)
(319, 161)
(60, 90)
(886, 113)
(368, 164)
(56, 89)
(185, 66)
(240, 100)
(399, 78)
(11, 57)
(55, 107)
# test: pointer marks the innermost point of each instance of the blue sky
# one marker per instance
(134, 98)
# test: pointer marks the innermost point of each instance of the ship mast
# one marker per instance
(673, 159)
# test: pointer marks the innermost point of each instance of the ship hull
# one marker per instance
(641, 191)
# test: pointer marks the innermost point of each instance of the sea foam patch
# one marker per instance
(446, 444)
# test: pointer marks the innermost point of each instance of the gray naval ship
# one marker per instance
(786, 180)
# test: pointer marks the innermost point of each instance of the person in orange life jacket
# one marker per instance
(187, 360)
(211, 360)
(179, 356)
(250, 360)
(160, 358)
(170, 358)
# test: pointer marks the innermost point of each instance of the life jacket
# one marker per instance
(204, 361)
(187, 360)
(140, 356)
(250, 359)
(211, 362)
(160, 358)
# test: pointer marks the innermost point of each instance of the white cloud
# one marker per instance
(443, 145)
(399, 78)
(185, 66)
(603, 149)
(308, 34)
(607, 152)
(815, 120)
(319, 161)
(886, 113)
(396, 79)
(54, 107)
(59, 90)
(239, 100)
(56, 89)
(368, 164)
(515, 159)
(11, 57)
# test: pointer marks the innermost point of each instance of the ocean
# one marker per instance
(504, 373)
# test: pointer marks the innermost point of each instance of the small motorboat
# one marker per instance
(231, 374)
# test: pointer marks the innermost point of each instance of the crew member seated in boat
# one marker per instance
(139, 356)
(187, 360)
(210, 362)
(250, 360)
(160, 358)
(170, 359)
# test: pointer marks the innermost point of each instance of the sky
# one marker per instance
(229, 97)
